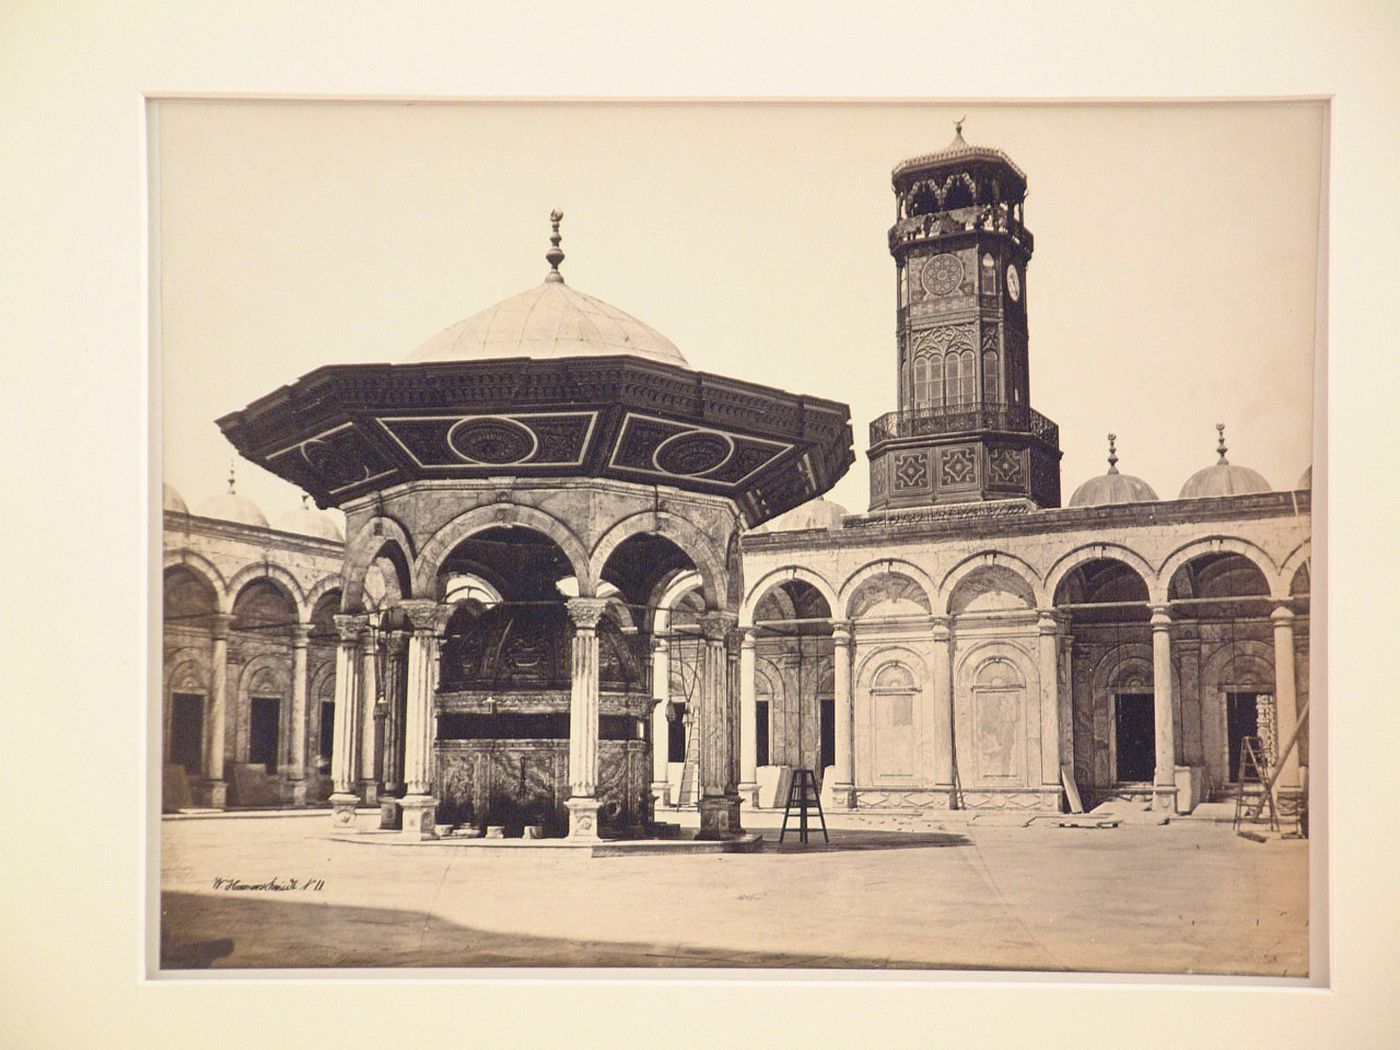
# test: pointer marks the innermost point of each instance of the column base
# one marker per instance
(343, 809)
(369, 791)
(1164, 798)
(214, 794)
(661, 792)
(390, 817)
(843, 796)
(296, 792)
(748, 794)
(719, 818)
(417, 815)
(583, 817)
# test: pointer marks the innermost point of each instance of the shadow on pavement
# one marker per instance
(858, 839)
(199, 931)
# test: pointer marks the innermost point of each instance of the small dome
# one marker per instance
(308, 521)
(229, 506)
(1223, 478)
(550, 321)
(1305, 482)
(814, 514)
(172, 499)
(1112, 487)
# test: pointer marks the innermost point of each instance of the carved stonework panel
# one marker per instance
(337, 459)
(452, 442)
(1005, 466)
(661, 449)
(991, 337)
(958, 467)
(910, 471)
(879, 479)
(938, 340)
(943, 283)
(942, 274)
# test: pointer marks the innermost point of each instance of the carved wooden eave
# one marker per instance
(344, 431)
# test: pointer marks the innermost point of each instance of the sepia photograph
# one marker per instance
(737, 537)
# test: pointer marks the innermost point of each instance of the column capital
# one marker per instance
(714, 625)
(841, 632)
(396, 641)
(301, 632)
(942, 627)
(1161, 617)
(219, 625)
(348, 627)
(1050, 621)
(370, 635)
(586, 612)
(1283, 613)
(426, 615)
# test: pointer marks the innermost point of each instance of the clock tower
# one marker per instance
(964, 430)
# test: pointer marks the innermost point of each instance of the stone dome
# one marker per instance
(1112, 487)
(172, 500)
(1305, 482)
(230, 506)
(1223, 478)
(814, 514)
(308, 521)
(550, 321)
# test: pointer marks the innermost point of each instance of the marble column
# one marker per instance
(1164, 777)
(941, 683)
(1285, 696)
(1048, 628)
(345, 751)
(660, 726)
(843, 791)
(397, 650)
(719, 799)
(418, 807)
(296, 745)
(215, 787)
(583, 718)
(748, 721)
(368, 785)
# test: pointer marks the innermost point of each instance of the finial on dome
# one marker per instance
(555, 255)
(230, 478)
(1112, 454)
(1220, 444)
(958, 140)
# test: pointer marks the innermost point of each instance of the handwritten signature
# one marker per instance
(276, 884)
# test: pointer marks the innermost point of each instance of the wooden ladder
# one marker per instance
(1255, 793)
(803, 795)
(687, 792)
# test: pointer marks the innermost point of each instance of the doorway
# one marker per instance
(187, 731)
(1135, 728)
(1241, 720)
(263, 732)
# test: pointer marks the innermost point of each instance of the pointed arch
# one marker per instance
(870, 570)
(499, 515)
(183, 558)
(783, 575)
(983, 560)
(1296, 559)
(1247, 549)
(277, 575)
(369, 542)
(319, 590)
(707, 557)
(1077, 556)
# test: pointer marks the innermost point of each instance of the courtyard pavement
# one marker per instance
(896, 893)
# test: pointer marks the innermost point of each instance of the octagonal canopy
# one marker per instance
(547, 323)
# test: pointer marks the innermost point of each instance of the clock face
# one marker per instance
(942, 274)
(1013, 283)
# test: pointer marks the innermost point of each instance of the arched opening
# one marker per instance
(321, 641)
(190, 605)
(1109, 646)
(260, 642)
(793, 637)
(1221, 609)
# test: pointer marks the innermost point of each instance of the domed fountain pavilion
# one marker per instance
(519, 495)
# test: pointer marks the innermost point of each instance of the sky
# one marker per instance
(1173, 284)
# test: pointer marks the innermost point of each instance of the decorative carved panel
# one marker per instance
(451, 442)
(959, 467)
(911, 470)
(1005, 466)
